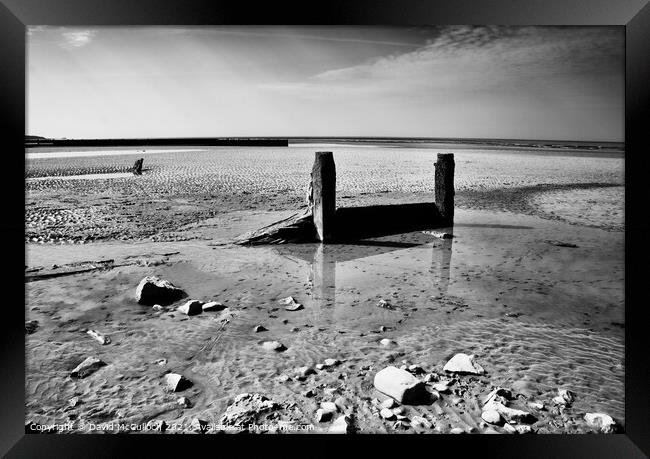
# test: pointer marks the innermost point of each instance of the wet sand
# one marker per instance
(539, 315)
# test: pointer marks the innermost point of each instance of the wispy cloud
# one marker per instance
(77, 38)
(469, 59)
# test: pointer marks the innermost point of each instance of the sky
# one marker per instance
(561, 83)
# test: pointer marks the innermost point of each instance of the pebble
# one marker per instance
(175, 382)
(602, 421)
(323, 416)
(309, 393)
(456, 431)
(329, 407)
(191, 308)
(509, 429)
(387, 414)
(387, 342)
(152, 290)
(74, 401)
(536, 405)
(420, 421)
(87, 367)
(274, 346)
(157, 307)
(400, 385)
(389, 403)
(491, 416)
(564, 397)
(259, 328)
(213, 306)
(463, 363)
(342, 425)
(522, 429)
(184, 402)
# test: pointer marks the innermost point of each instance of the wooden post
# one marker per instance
(323, 179)
(444, 186)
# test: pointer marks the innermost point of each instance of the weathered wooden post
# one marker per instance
(137, 167)
(444, 186)
(323, 179)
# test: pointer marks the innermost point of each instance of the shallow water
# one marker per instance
(538, 317)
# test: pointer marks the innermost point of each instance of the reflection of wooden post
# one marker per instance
(323, 269)
(444, 186)
(323, 177)
(441, 266)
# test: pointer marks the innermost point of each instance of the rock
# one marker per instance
(522, 429)
(439, 235)
(463, 363)
(342, 403)
(387, 414)
(564, 397)
(415, 369)
(31, 326)
(246, 409)
(399, 410)
(536, 405)
(99, 337)
(332, 362)
(274, 346)
(499, 394)
(388, 403)
(303, 372)
(400, 385)
(342, 425)
(387, 342)
(74, 402)
(87, 367)
(419, 421)
(601, 421)
(320, 366)
(161, 362)
(176, 383)
(191, 308)
(442, 386)
(383, 329)
(213, 306)
(431, 377)
(491, 416)
(290, 304)
(384, 304)
(259, 329)
(509, 429)
(184, 402)
(509, 414)
(309, 393)
(329, 407)
(456, 431)
(323, 416)
(157, 307)
(152, 290)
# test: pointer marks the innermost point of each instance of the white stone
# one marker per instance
(602, 421)
(509, 414)
(441, 386)
(463, 363)
(491, 416)
(389, 403)
(175, 382)
(420, 421)
(400, 385)
(184, 402)
(87, 367)
(387, 342)
(342, 425)
(153, 290)
(522, 429)
(329, 407)
(323, 416)
(456, 431)
(509, 429)
(386, 413)
(536, 405)
(564, 397)
(273, 346)
(213, 306)
(191, 307)
(331, 362)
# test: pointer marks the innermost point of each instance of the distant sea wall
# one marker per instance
(204, 142)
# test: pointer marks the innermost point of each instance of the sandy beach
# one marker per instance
(532, 284)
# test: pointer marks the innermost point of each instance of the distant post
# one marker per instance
(444, 186)
(323, 177)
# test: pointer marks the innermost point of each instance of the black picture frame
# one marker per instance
(634, 15)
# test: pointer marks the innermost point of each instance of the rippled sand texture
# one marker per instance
(538, 316)
(179, 186)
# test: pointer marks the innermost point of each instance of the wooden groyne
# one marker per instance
(322, 221)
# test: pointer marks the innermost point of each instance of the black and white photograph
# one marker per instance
(325, 229)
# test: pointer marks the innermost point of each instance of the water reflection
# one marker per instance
(373, 267)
